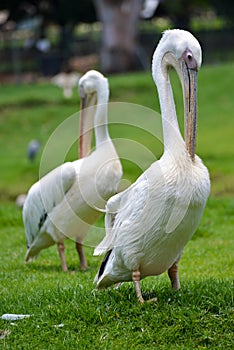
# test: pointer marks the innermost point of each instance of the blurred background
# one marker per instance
(45, 46)
(39, 39)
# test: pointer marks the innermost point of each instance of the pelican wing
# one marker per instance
(43, 196)
(121, 210)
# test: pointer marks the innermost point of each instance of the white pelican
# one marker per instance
(148, 225)
(63, 203)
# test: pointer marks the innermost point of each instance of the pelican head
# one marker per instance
(181, 50)
(92, 87)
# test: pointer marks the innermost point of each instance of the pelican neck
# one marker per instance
(173, 141)
(100, 118)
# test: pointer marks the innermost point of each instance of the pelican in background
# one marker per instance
(149, 224)
(63, 204)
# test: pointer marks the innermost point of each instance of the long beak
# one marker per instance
(190, 108)
(86, 126)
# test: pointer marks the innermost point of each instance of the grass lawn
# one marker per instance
(66, 310)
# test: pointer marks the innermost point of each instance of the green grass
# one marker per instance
(34, 111)
(199, 316)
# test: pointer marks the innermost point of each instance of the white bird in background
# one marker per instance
(149, 224)
(20, 200)
(63, 203)
(66, 81)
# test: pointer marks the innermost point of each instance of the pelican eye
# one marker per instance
(189, 59)
(189, 56)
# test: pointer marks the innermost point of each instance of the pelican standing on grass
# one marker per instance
(63, 204)
(148, 225)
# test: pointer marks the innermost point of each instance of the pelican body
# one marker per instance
(65, 202)
(149, 224)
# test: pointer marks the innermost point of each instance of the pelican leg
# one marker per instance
(61, 249)
(80, 251)
(174, 277)
(136, 276)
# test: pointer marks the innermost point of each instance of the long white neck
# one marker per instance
(173, 141)
(100, 119)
